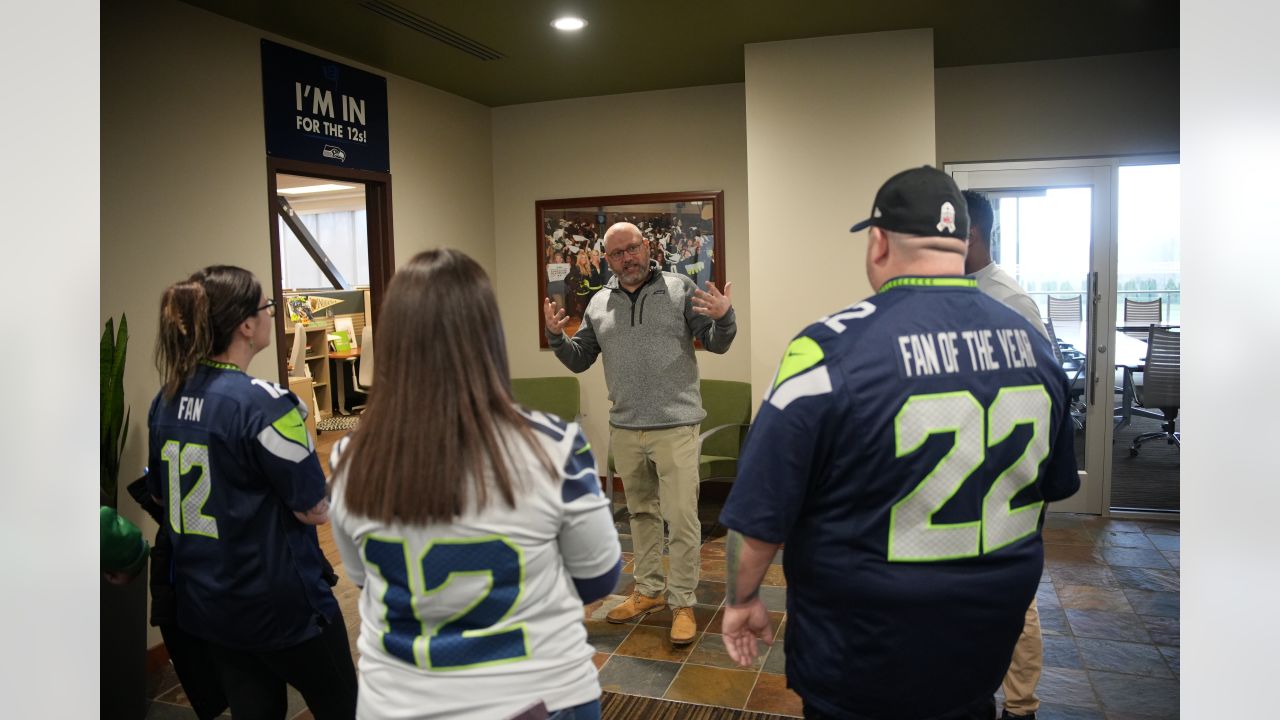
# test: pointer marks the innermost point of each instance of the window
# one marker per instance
(342, 236)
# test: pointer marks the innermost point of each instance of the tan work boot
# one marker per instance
(683, 626)
(638, 605)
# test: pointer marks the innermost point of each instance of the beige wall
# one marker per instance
(1105, 105)
(669, 140)
(828, 120)
(819, 123)
(184, 173)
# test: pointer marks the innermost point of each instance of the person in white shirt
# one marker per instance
(476, 528)
(992, 279)
(1020, 700)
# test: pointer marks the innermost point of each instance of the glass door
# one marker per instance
(1053, 230)
(1145, 461)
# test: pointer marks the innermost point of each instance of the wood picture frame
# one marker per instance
(685, 229)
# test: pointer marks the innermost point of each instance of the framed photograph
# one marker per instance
(685, 232)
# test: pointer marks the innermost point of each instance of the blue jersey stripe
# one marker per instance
(580, 471)
(548, 425)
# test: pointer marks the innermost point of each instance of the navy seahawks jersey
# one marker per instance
(231, 460)
(904, 455)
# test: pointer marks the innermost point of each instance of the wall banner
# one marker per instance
(318, 110)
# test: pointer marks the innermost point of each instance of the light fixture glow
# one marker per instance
(308, 189)
(569, 24)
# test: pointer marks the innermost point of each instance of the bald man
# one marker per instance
(644, 322)
(905, 455)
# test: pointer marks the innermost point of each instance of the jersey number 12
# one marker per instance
(186, 514)
(467, 639)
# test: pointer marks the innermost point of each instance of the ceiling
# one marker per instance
(638, 45)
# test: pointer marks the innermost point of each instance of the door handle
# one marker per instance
(1091, 319)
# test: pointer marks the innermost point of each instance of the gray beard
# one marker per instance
(634, 278)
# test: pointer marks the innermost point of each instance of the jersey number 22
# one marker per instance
(913, 536)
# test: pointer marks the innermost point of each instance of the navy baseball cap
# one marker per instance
(921, 201)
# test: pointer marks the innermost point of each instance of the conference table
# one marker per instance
(1128, 353)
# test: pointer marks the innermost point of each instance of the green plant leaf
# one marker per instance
(106, 354)
(115, 418)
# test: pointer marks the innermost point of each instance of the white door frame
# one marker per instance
(1100, 175)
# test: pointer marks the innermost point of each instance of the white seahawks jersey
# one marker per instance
(479, 618)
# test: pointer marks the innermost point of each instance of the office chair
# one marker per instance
(298, 355)
(1065, 309)
(724, 430)
(362, 378)
(1073, 364)
(1161, 386)
(1142, 312)
(559, 396)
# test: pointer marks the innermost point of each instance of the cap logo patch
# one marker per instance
(948, 219)
(876, 213)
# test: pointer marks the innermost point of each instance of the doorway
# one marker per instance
(331, 256)
(1080, 236)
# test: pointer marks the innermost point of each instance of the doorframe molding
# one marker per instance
(378, 218)
(1108, 304)
(1092, 172)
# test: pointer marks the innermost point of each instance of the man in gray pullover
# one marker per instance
(644, 321)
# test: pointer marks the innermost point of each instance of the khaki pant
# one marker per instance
(659, 471)
(1024, 669)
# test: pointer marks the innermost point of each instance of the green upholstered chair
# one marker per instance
(560, 396)
(728, 406)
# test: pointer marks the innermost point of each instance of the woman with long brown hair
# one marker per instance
(232, 465)
(475, 527)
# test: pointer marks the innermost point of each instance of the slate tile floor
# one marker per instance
(1108, 606)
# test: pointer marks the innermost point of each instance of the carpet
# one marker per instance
(337, 422)
(1149, 481)
(614, 706)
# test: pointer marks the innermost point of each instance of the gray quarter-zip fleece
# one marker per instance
(649, 363)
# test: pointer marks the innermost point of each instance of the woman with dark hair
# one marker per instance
(476, 528)
(233, 466)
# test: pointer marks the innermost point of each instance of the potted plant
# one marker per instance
(115, 417)
(123, 608)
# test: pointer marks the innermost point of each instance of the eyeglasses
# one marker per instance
(269, 306)
(632, 249)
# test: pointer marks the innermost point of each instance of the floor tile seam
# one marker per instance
(1097, 701)
(690, 661)
(168, 664)
(679, 667)
(1171, 675)
(754, 682)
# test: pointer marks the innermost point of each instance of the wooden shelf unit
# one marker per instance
(317, 360)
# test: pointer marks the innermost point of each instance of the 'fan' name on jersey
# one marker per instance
(947, 352)
(189, 408)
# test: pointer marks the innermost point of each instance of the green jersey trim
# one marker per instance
(802, 354)
(929, 282)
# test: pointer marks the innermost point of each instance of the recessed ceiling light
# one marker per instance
(307, 189)
(569, 24)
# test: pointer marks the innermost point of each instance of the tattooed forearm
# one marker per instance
(734, 554)
(747, 559)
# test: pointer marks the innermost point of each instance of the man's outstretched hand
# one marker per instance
(711, 302)
(555, 316)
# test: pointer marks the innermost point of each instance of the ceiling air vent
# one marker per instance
(431, 28)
